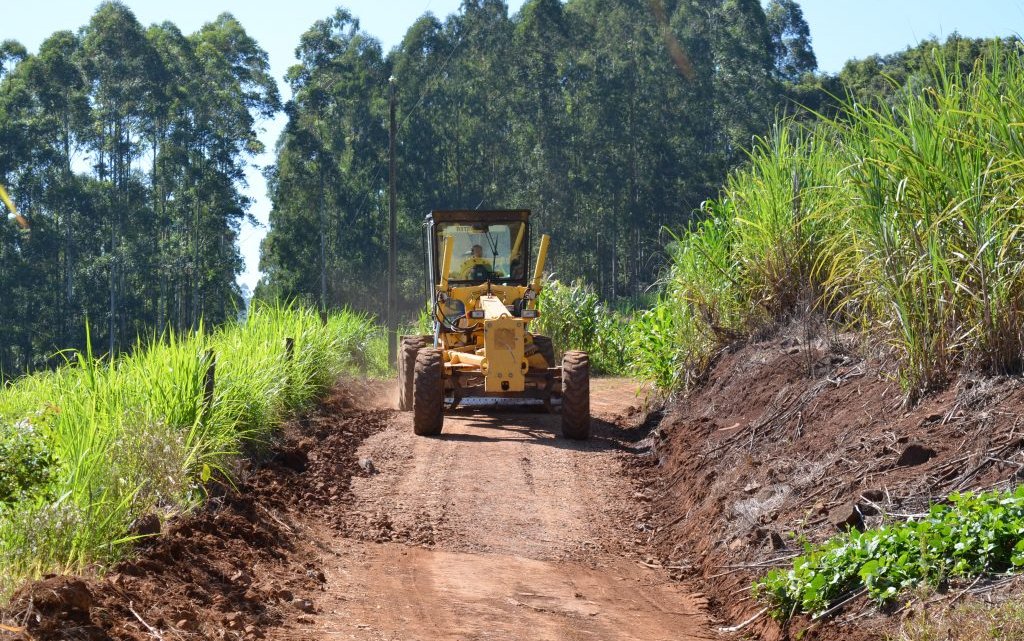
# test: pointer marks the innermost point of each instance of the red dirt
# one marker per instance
(500, 529)
(355, 528)
(790, 438)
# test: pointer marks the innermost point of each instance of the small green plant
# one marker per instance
(972, 535)
(25, 461)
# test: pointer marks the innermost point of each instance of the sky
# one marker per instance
(840, 30)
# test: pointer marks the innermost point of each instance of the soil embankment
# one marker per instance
(792, 440)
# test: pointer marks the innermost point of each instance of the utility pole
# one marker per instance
(392, 232)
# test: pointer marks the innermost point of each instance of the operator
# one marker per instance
(475, 257)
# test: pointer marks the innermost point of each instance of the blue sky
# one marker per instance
(840, 29)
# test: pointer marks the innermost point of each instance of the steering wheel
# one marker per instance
(480, 272)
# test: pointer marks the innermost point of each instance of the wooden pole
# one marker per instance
(392, 231)
(209, 379)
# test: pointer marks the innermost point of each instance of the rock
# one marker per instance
(846, 516)
(867, 509)
(874, 495)
(367, 465)
(147, 525)
(915, 454)
(752, 487)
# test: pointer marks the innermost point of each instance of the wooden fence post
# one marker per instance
(209, 378)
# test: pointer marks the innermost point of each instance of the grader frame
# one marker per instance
(481, 310)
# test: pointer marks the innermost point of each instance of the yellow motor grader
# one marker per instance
(482, 303)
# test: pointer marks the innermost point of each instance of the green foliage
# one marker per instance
(972, 535)
(25, 461)
(94, 445)
(590, 125)
(900, 221)
(576, 319)
(145, 241)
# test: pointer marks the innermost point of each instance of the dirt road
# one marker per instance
(498, 529)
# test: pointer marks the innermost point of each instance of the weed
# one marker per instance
(972, 535)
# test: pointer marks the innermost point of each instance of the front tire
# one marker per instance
(407, 350)
(428, 393)
(576, 396)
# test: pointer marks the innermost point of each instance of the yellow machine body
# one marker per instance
(483, 300)
(482, 328)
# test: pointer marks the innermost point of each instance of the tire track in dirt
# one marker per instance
(497, 529)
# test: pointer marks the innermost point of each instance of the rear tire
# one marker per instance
(576, 396)
(407, 351)
(545, 347)
(428, 393)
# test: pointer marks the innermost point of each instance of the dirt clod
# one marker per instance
(915, 454)
(846, 516)
(367, 465)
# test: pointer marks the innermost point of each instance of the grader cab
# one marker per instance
(483, 301)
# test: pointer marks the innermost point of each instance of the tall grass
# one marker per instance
(95, 445)
(901, 221)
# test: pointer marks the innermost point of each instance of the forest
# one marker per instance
(125, 146)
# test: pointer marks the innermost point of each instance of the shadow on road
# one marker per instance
(541, 428)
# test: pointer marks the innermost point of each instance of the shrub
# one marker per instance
(970, 536)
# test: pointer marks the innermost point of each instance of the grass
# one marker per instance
(93, 446)
(968, 622)
(903, 222)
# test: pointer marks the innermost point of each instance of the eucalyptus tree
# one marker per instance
(62, 113)
(791, 40)
(326, 241)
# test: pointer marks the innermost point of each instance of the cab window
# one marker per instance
(492, 252)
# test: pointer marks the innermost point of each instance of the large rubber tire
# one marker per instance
(545, 347)
(428, 393)
(407, 350)
(576, 396)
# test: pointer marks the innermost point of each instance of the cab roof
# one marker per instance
(475, 215)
